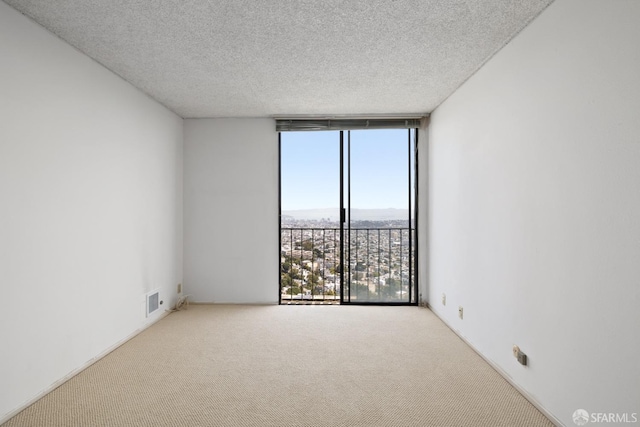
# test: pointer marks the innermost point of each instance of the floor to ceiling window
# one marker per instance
(347, 223)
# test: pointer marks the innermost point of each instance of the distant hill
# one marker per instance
(333, 214)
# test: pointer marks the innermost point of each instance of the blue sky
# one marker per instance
(310, 169)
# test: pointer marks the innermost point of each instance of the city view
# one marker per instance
(378, 260)
(371, 258)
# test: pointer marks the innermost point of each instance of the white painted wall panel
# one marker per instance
(423, 212)
(231, 252)
(534, 205)
(90, 208)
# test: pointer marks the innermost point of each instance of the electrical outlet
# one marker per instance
(179, 288)
(460, 312)
(522, 358)
(519, 355)
(444, 299)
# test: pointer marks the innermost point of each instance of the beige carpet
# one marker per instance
(288, 366)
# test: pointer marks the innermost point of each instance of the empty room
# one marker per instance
(319, 213)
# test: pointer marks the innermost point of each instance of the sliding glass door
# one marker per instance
(380, 232)
(347, 227)
(310, 226)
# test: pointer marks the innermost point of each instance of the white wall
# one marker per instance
(535, 207)
(231, 252)
(90, 209)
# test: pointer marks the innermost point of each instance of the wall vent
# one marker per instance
(153, 302)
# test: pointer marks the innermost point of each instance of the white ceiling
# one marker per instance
(243, 58)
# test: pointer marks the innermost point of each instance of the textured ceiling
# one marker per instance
(243, 58)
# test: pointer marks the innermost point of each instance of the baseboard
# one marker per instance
(502, 373)
(76, 371)
(231, 303)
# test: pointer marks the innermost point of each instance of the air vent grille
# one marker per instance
(153, 302)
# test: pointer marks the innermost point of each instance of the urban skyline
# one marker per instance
(379, 261)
